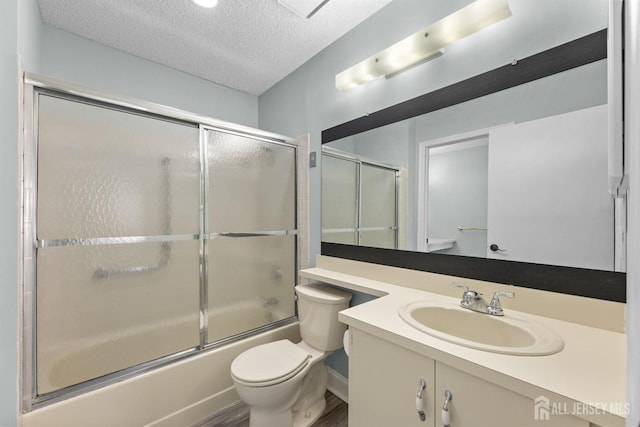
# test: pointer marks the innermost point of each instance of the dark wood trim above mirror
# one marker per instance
(598, 284)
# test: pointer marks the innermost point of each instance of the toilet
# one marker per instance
(284, 383)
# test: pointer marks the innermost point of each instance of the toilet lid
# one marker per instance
(270, 363)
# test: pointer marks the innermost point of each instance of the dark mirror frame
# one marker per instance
(605, 285)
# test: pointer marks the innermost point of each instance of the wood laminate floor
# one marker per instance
(237, 415)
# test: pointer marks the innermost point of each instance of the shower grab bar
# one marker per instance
(165, 254)
(463, 228)
(165, 247)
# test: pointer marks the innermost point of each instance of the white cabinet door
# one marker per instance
(479, 403)
(548, 199)
(383, 384)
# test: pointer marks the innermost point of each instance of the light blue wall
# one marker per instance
(19, 39)
(68, 57)
(29, 34)
(8, 213)
(307, 101)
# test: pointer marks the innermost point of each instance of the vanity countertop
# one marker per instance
(586, 378)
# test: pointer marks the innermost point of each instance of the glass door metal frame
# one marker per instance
(33, 86)
(359, 162)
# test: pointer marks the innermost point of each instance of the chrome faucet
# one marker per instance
(474, 301)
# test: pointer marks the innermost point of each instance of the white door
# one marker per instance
(548, 199)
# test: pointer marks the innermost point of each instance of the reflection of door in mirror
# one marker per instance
(548, 196)
(535, 191)
(456, 198)
(359, 200)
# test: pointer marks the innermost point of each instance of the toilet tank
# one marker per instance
(318, 307)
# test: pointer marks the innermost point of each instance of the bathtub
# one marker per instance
(176, 393)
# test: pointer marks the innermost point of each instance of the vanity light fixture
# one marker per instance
(206, 3)
(426, 44)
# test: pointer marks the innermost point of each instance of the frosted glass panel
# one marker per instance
(339, 203)
(378, 239)
(347, 238)
(109, 173)
(251, 184)
(378, 197)
(90, 325)
(250, 283)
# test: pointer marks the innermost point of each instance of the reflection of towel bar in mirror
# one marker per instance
(353, 229)
(463, 228)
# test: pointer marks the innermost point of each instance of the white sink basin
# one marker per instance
(510, 334)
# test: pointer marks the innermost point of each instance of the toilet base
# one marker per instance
(310, 416)
(308, 405)
(311, 403)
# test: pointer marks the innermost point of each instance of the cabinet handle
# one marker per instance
(448, 396)
(419, 402)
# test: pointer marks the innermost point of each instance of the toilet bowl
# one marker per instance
(284, 383)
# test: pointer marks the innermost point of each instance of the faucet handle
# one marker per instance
(468, 296)
(495, 307)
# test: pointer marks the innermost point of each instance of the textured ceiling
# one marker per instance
(248, 45)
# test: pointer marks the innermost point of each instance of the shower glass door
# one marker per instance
(250, 233)
(117, 248)
(149, 235)
(378, 207)
(359, 200)
(340, 207)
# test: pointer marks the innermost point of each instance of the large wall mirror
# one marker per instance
(501, 177)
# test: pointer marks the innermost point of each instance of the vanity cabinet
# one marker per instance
(477, 402)
(383, 385)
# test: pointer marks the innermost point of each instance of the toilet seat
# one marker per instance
(269, 364)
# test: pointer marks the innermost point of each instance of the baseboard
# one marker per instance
(338, 385)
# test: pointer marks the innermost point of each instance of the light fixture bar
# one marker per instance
(425, 44)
